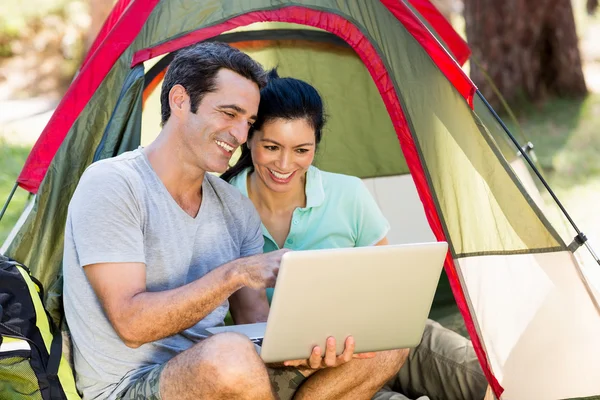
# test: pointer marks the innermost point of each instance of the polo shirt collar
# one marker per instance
(315, 194)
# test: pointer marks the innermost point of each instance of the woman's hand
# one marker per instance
(318, 361)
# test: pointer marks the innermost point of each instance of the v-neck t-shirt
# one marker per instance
(121, 212)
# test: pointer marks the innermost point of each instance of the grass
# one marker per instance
(566, 135)
(12, 158)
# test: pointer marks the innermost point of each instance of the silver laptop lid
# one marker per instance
(380, 295)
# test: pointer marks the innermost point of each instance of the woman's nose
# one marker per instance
(284, 161)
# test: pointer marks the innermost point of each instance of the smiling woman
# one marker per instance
(301, 207)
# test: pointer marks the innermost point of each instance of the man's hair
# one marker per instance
(288, 99)
(196, 67)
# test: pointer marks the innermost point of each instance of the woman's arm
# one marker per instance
(248, 306)
(382, 242)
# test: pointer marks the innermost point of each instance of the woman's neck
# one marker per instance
(275, 202)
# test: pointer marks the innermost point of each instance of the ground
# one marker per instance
(565, 132)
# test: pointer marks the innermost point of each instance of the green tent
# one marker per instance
(403, 116)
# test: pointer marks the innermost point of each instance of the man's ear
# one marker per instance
(179, 100)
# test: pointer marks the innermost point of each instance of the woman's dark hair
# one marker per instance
(282, 98)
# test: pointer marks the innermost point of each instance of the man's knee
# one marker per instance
(224, 364)
(231, 360)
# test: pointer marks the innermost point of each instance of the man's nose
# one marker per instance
(240, 132)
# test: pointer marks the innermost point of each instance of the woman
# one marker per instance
(303, 208)
(300, 206)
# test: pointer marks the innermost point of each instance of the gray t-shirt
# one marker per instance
(121, 212)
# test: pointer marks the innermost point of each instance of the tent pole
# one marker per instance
(580, 239)
(10, 196)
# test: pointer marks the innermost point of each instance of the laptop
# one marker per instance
(381, 295)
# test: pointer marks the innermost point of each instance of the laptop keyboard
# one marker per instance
(257, 341)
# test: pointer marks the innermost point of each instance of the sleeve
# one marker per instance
(253, 241)
(105, 218)
(370, 224)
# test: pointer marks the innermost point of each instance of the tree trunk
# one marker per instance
(528, 48)
(99, 10)
(591, 6)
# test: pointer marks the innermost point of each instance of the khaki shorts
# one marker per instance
(443, 366)
(284, 381)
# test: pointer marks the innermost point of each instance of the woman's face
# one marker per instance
(282, 151)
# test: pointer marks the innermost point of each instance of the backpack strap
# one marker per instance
(54, 358)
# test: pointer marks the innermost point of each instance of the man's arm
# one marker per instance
(139, 316)
(248, 306)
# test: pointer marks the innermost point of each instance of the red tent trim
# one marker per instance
(111, 21)
(458, 47)
(436, 51)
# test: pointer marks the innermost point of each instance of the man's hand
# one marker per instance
(260, 271)
(318, 361)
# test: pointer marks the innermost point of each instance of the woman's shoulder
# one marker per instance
(337, 181)
(239, 182)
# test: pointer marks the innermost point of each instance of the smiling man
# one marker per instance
(157, 250)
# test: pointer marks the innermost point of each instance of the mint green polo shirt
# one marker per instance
(339, 212)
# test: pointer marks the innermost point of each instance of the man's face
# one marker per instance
(221, 123)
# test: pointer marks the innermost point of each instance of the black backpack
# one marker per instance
(31, 362)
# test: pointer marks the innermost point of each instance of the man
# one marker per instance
(157, 250)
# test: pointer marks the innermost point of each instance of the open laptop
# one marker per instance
(381, 295)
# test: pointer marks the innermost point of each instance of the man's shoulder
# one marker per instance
(118, 169)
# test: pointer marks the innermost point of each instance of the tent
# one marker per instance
(403, 116)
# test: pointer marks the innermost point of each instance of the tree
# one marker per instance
(591, 6)
(528, 48)
(99, 10)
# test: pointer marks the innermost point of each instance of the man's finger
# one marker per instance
(315, 359)
(330, 356)
(348, 349)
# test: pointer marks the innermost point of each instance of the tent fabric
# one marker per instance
(118, 37)
(456, 44)
(124, 128)
(438, 53)
(125, 29)
(112, 19)
(534, 365)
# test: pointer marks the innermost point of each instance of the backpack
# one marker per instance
(32, 365)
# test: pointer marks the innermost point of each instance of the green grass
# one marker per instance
(12, 158)
(566, 135)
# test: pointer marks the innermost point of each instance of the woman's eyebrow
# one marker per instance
(279, 144)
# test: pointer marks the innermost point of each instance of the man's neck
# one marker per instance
(274, 202)
(171, 162)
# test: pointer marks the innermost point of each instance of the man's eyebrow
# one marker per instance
(238, 109)
(279, 144)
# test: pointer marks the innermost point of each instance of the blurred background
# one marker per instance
(538, 62)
